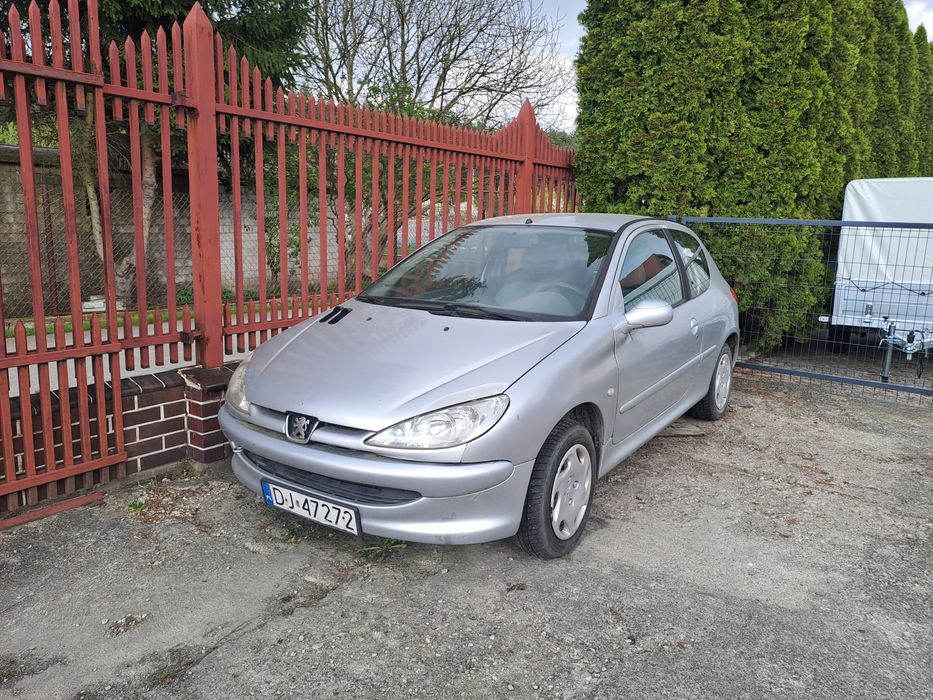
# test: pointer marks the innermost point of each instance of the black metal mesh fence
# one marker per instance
(849, 302)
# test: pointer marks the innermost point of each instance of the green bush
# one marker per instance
(777, 273)
(185, 295)
(747, 107)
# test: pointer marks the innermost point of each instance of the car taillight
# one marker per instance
(734, 295)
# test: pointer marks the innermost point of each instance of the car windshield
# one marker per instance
(517, 272)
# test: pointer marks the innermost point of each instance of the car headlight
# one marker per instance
(447, 427)
(236, 387)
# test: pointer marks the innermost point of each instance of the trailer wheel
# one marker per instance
(839, 338)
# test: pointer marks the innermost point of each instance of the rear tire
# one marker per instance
(560, 493)
(714, 405)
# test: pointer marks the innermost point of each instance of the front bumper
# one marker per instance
(455, 503)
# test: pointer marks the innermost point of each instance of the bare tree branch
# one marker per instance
(468, 61)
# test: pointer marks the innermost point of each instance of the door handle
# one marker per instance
(694, 326)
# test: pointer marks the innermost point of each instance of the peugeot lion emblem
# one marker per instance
(298, 428)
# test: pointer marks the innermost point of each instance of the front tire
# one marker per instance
(714, 405)
(560, 493)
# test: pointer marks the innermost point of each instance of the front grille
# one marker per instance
(338, 488)
(272, 423)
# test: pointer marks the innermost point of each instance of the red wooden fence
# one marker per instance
(335, 193)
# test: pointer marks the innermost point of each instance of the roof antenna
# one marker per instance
(528, 221)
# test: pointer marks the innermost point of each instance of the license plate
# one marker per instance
(311, 507)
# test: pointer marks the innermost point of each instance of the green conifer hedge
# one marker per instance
(750, 108)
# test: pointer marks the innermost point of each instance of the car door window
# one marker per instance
(649, 271)
(695, 262)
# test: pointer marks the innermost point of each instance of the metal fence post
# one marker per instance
(203, 185)
(525, 197)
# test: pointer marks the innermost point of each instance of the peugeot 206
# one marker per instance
(480, 388)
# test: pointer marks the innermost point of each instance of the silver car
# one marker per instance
(479, 388)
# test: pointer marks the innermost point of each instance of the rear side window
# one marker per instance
(695, 262)
(649, 271)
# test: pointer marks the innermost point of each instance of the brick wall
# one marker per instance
(155, 413)
(167, 416)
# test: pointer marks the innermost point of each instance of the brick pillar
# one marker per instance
(154, 420)
(204, 391)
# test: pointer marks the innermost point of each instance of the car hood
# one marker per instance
(379, 365)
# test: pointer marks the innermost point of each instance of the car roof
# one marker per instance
(605, 222)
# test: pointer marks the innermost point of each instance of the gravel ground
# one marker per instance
(786, 550)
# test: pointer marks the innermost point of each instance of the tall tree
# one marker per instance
(658, 102)
(268, 32)
(712, 107)
(908, 82)
(784, 91)
(863, 101)
(823, 93)
(925, 104)
(849, 100)
(886, 122)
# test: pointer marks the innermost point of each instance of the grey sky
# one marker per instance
(920, 12)
(565, 12)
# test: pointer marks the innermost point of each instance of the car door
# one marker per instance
(655, 364)
(697, 273)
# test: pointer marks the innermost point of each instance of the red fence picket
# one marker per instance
(311, 202)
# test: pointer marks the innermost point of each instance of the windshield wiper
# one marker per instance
(456, 309)
(448, 308)
(401, 302)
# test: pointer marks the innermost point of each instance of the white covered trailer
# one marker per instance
(884, 272)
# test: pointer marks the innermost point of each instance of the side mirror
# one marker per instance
(649, 313)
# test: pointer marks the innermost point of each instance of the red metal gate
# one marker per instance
(313, 200)
(61, 424)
